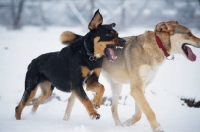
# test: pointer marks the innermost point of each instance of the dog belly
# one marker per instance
(120, 79)
(118, 76)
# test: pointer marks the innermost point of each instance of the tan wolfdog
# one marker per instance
(138, 63)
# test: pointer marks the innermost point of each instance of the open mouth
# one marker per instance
(110, 53)
(187, 50)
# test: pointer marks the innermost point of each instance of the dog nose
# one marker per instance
(122, 41)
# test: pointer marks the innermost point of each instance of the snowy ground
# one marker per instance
(175, 79)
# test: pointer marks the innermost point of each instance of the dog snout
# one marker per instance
(122, 41)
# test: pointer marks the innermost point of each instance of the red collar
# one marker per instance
(160, 45)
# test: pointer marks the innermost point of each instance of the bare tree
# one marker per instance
(16, 13)
(92, 7)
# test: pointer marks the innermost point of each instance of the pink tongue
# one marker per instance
(191, 55)
(112, 54)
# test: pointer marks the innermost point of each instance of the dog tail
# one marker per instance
(67, 37)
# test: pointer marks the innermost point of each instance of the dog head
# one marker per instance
(180, 38)
(103, 38)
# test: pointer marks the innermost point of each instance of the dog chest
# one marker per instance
(147, 73)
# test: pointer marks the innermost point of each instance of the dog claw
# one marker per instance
(96, 106)
(96, 116)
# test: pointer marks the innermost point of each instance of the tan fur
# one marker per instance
(45, 94)
(138, 63)
(97, 19)
(70, 105)
(23, 104)
(88, 105)
(96, 87)
(85, 71)
(100, 46)
(67, 37)
(91, 86)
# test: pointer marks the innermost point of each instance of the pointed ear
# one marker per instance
(96, 21)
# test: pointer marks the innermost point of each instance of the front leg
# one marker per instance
(77, 78)
(93, 85)
(82, 96)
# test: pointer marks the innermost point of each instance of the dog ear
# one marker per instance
(166, 27)
(96, 21)
(113, 24)
(161, 27)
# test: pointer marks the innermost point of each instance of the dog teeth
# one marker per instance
(119, 47)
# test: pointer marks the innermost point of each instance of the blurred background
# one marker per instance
(14, 14)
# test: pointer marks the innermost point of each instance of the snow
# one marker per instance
(175, 79)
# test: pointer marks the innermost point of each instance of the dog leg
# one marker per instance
(116, 90)
(69, 107)
(142, 103)
(82, 96)
(31, 83)
(93, 85)
(136, 117)
(46, 91)
(98, 89)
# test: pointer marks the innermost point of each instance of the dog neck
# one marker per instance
(87, 49)
(160, 45)
(91, 55)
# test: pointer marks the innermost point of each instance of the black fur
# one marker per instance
(63, 68)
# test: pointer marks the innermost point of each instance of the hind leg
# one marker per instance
(46, 91)
(136, 117)
(31, 83)
(138, 113)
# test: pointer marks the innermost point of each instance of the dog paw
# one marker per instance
(127, 123)
(66, 118)
(96, 106)
(118, 123)
(158, 130)
(95, 116)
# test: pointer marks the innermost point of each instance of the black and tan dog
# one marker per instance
(138, 63)
(68, 69)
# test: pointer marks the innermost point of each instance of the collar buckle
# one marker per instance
(92, 58)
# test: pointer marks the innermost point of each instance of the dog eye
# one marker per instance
(109, 35)
(189, 34)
